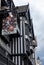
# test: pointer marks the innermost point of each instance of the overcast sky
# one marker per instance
(37, 15)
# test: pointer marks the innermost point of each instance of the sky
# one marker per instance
(37, 15)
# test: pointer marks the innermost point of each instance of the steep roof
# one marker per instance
(3, 3)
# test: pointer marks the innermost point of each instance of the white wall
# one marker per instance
(0, 3)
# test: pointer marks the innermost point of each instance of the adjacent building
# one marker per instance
(38, 61)
(17, 39)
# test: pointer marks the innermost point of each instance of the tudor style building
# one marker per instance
(17, 39)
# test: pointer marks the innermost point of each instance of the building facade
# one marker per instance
(17, 39)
